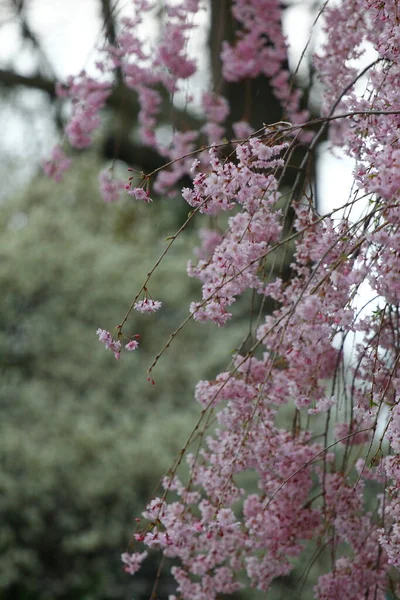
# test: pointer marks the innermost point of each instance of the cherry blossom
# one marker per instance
(132, 345)
(139, 194)
(110, 188)
(133, 561)
(147, 305)
(106, 338)
(57, 164)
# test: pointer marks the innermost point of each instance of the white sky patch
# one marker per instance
(334, 179)
(69, 32)
(297, 22)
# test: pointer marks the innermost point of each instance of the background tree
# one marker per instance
(78, 453)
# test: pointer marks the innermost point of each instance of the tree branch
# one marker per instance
(38, 82)
(108, 13)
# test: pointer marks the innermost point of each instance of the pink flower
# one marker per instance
(106, 338)
(132, 345)
(57, 165)
(110, 188)
(322, 405)
(133, 561)
(88, 98)
(147, 305)
(139, 194)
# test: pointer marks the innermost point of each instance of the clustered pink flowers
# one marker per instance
(133, 562)
(57, 164)
(88, 98)
(147, 305)
(260, 48)
(110, 187)
(138, 193)
(312, 476)
(115, 345)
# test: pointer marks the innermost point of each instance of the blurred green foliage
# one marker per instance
(84, 438)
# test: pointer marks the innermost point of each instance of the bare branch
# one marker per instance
(108, 13)
(38, 82)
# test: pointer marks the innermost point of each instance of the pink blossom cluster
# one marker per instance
(57, 164)
(217, 109)
(370, 138)
(147, 305)
(216, 548)
(299, 356)
(88, 97)
(252, 232)
(213, 542)
(133, 561)
(138, 193)
(110, 187)
(106, 338)
(260, 48)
